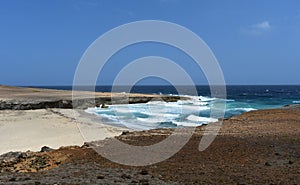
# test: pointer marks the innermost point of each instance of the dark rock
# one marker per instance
(104, 106)
(125, 132)
(100, 177)
(12, 179)
(46, 149)
(10, 158)
(85, 145)
(125, 176)
(144, 172)
(144, 181)
(57, 162)
(267, 164)
(291, 162)
(134, 181)
(39, 162)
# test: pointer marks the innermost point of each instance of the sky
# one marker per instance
(255, 41)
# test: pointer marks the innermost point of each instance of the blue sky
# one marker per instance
(255, 42)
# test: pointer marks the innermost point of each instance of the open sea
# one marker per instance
(157, 114)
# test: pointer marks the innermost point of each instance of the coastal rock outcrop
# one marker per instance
(31, 104)
(17, 98)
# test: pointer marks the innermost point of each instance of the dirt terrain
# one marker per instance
(20, 98)
(258, 147)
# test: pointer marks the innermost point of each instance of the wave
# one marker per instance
(200, 119)
(111, 117)
(157, 114)
(241, 109)
(296, 102)
(206, 99)
(230, 100)
(157, 118)
(187, 124)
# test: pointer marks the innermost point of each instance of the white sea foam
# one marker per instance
(187, 124)
(200, 119)
(111, 117)
(154, 114)
(296, 102)
(152, 120)
(206, 99)
(241, 109)
(229, 100)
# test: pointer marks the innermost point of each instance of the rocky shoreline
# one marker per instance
(19, 98)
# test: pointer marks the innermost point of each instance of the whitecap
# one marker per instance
(187, 124)
(206, 99)
(241, 109)
(200, 119)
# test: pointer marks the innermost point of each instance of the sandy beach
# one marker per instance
(53, 122)
(23, 130)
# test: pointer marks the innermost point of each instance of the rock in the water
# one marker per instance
(104, 106)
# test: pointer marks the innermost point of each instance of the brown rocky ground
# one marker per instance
(20, 98)
(258, 147)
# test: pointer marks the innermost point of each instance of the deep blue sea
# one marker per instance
(157, 114)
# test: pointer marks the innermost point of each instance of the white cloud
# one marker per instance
(262, 26)
(258, 28)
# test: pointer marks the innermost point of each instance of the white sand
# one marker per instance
(32, 129)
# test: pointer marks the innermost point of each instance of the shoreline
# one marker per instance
(25, 129)
(248, 145)
(31, 118)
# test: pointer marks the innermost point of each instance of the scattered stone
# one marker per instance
(125, 176)
(57, 162)
(27, 178)
(291, 162)
(125, 132)
(85, 145)
(104, 106)
(267, 164)
(12, 179)
(100, 177)
(144, 172)
(10, 158)
(144, 181)
(134, 181)
(46, 149)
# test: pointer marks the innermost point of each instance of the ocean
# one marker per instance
(157, 114)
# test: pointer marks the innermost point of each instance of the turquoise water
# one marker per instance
(193, 112)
